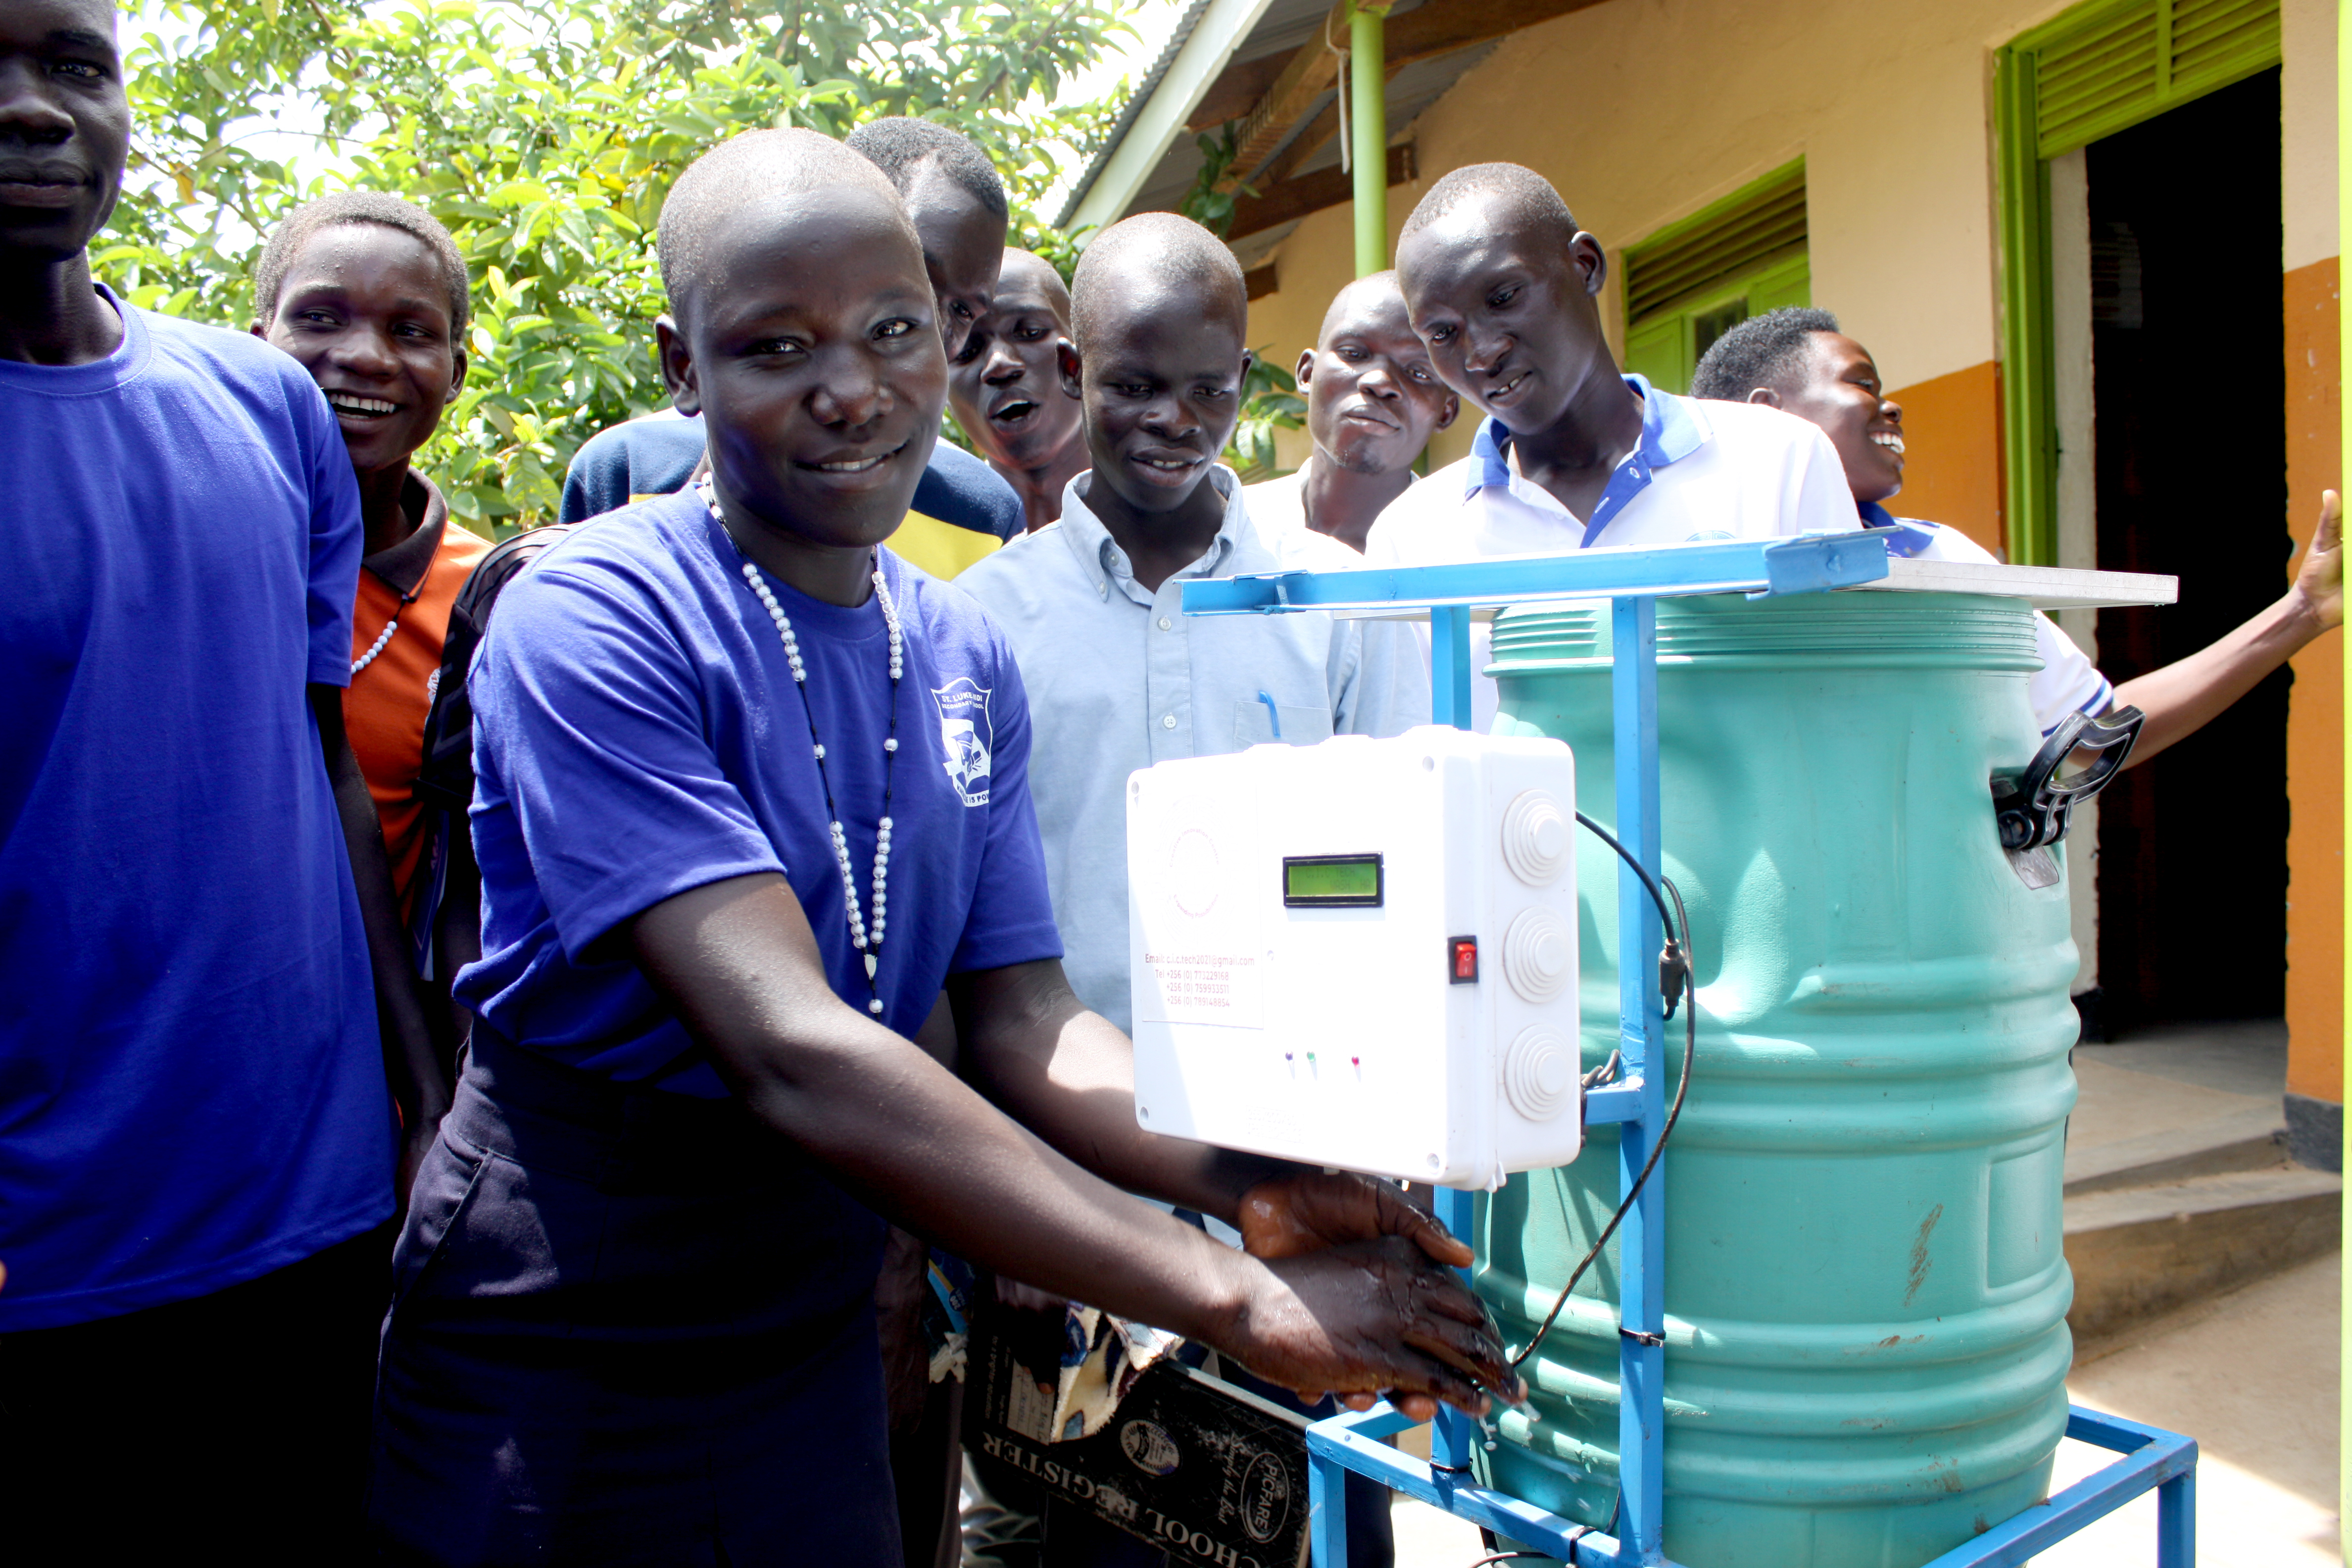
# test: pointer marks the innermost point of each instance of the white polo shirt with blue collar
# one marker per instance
(1118, 678)
(2068, 681)
(1701, 471)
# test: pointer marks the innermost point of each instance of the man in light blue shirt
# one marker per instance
(1118, 679)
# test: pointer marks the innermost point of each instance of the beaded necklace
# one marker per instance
(866, 942)
(384, 636)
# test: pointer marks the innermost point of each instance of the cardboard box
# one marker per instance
(1211, 1475)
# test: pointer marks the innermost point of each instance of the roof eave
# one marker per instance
(1201, 46)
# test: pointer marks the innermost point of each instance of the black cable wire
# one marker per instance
(1640, 870)
(1675, 972)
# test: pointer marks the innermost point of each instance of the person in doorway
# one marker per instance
(1797, 360)
(368, 294)
(1503, 288)
(1006, 388)
(633, 1297)
(961, 510)
(1118, 678)
(1373, 400)
(196, 927)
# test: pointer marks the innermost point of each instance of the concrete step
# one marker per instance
(2237, 1137)
(2141, 1250)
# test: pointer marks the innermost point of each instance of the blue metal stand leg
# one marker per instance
(1450, 1436)
(1327, 1504)
(1642, 1268)
(1449, 665)
(2175, 1521)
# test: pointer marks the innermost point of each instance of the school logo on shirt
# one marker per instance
(969, 736)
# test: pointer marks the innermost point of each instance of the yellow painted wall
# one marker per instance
(1643, 113)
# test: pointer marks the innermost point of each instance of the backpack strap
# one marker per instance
(448, 779)
(445, 785)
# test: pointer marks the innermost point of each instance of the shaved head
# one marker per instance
(757, 169)
(1518, 195)
(1028, 268)
(1373, 292)
(1149, 256)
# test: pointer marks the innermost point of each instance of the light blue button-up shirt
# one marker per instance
(1120, 678)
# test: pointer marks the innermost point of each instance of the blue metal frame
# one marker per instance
(1635, 580)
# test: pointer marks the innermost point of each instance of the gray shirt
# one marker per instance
(1120, 678)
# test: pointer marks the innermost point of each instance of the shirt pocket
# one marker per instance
(1256, 724)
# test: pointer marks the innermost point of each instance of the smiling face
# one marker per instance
(810, 348)
(366, 310)
(1373, 399)
(964, 244)
(1006, 386)
(1840, 392)
(1506, 310)
(1161, 377)
(65, 125)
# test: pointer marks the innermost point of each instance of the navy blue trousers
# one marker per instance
(627, 1328)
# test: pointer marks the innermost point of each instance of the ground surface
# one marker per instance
(2252, 1376)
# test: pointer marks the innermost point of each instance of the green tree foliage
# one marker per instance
(1270, 402)
(545, 134)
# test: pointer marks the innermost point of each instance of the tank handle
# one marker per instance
(2035, 807)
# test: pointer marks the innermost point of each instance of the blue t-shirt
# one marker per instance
(191, 1084)
(656, 454)
(636, 735)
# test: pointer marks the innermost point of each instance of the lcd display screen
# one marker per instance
(1331, 882)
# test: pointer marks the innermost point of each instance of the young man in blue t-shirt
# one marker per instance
(199, 1149)
(751, 792)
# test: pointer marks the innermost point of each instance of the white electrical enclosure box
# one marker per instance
(1360, 953)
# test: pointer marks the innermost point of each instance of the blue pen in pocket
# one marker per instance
(1272, 714)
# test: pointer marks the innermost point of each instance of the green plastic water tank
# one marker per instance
(1865, 1292)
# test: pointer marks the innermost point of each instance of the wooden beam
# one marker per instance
(1237, 91)
(1312, 71)
(1294, 199)
(1307, 143)
(1260, 281)
(1440, 27)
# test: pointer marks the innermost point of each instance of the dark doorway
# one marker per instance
(2190, 389)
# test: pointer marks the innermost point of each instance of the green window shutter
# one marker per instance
(1789, 283)
(2099, 69)
(1691, 281)
(1707, 247)
(1659, 351)
(2108, 66)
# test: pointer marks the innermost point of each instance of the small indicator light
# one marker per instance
(1462, 960)
(1355, 1062)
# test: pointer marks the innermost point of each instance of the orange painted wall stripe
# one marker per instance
(1952, 457)
(2315, 725)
